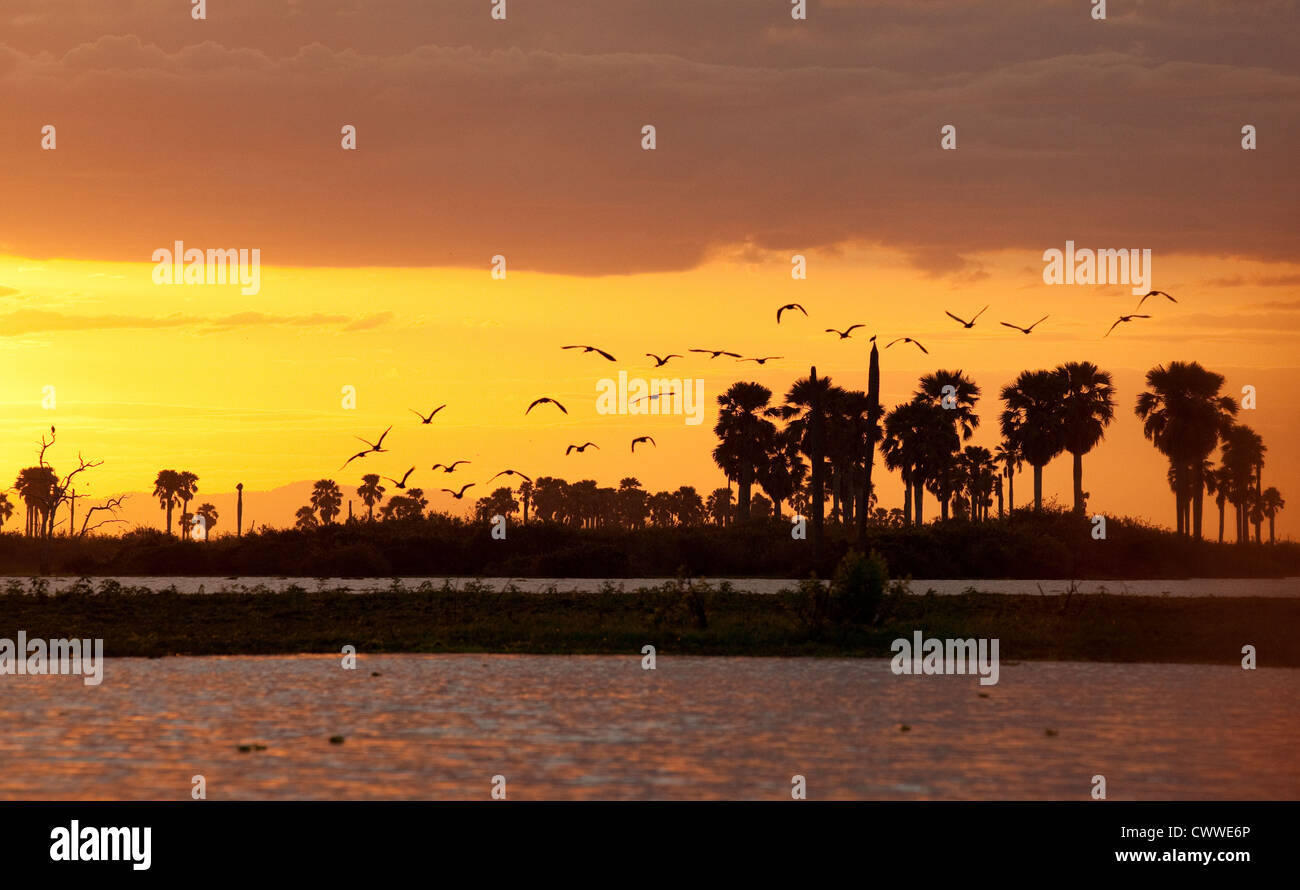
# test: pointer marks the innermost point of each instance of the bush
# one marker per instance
(858, 588)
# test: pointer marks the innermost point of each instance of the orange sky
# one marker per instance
(522, 138)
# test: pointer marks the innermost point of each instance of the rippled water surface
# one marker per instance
(600, 727)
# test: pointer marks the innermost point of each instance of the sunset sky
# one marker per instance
(523, 138)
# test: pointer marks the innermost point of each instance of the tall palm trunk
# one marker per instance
(1011, 489)
(907, 502)
(1038, 488)
(1198, 497)
(1221, 506)
(918, 493)
(1078, 482)
(817, 445)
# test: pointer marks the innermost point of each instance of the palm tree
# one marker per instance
(805, 407)
(187, 485)
(1271, 502)
(978, 471)
(917, 436)
(1218, 483)
(371, 493)
(718, 506)
(1243, 458)
(630, 503)
(957, 395)
(209, 514)
(327, 500)
(1089, 409)
(1007, 456)
(1185, 417)
(1034, 421)
(784, 471)
(165, 489)
(37, 486)
(526, 496)
(745, 436)
(6, 508)
(305, 518)
(874, 414)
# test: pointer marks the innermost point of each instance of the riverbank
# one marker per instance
(677, 618)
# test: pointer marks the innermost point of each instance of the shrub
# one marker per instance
(858, 587)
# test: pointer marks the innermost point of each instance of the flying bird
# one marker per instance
(428, 419)
(401, 484)
(844, 334)
(586, 349)
(964, 322)
(546, 400)
(1122, 319)
(511, 473)
(908, 340)
(581, 448)
(1155, 293)
(1024, 330)
(655, 396)
(762, 361)
(459, 494)
(790, 306)
(448, 468)
(374, 447)
(717, 352)
(642, 439)
(660, 362)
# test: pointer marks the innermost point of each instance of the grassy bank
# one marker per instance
(680, 619)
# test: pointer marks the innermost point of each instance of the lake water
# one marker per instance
(1234, 587)
(600, 727)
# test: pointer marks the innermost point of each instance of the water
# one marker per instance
(599, 727)
(1228, 587)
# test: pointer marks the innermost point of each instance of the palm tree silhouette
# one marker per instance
(209, 514)
(745, 437)
(1243, 457)
(958, 404)
(187, 485)
(1007, 455)
(37, 487)
(525, 496)
(874, 414)
(371, 493)
(326, 500)
(805, 407)
(1184, 416)
(1089, 409)
(1034, 421)
(917, 435)
(165, 488)
(6, 508)
(1218, 482)
(1271, 502)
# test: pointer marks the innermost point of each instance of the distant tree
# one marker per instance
(1089, 408)
(525, 496)
(1034, 420)
(326, 500)
(760, 507)
(165, 488)
(209, 514)
(632, 503)
(499, 503)
(305, 518)
(1271, 502)
(718, 506)
(6, 509)
(688, 506)
(371, 493)
(745, 435)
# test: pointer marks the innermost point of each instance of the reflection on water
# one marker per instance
(599, 727)
(1268, 587)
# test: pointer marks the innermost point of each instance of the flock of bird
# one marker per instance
(376, 447)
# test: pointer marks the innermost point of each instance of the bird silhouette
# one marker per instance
(512, 473)
(964, 322)
(1024, 330)
(908, 340)
(642, 439)
(1155, 293)
(1121, 320)
(374, 447)
(428, 419)
(448, 468)
(716, 352)
(459, 494)
(660, 362)
(586, 349)
(546, 400)
(655, 396)
(762, 361)
(790, 306)
(844, 334)
(581, 448)
(401, 484)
